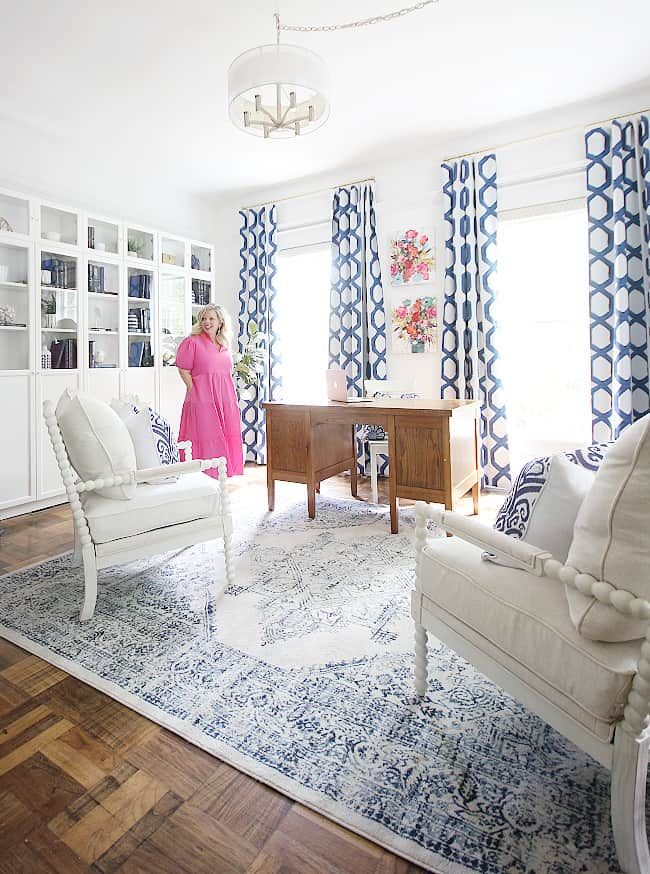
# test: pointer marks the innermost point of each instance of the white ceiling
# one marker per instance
(123, 90)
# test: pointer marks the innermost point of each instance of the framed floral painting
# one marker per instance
(415, 325)
(412, 257)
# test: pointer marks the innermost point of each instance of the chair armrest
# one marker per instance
(142, 476)
(514, 552)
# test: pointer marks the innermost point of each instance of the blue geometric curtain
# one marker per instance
(618, 197)
(469, 348)
(357, 333)
(257, 304)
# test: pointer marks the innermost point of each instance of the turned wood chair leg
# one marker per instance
(629, 772)
(90, 583)
(420, 660)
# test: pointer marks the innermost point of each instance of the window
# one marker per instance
(543, 310)
(303, 300)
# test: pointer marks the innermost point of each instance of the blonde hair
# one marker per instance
(223, 336)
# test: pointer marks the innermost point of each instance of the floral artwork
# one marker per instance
(412, 258)
(415, 324)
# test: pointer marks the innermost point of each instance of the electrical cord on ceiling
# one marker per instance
(362, 22)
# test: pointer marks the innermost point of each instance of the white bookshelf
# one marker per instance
(70, 275)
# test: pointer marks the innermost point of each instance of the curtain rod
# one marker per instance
(309, 193)
(552, 133)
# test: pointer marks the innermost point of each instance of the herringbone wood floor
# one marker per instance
(88, 785)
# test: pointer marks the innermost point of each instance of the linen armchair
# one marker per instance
(512, 624)
(159, 517)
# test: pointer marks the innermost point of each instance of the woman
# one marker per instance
(210, 417)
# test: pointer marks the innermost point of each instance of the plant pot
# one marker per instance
(417, 346)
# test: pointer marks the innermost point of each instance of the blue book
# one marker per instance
(136, 349)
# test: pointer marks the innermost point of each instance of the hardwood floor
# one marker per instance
(88, 785)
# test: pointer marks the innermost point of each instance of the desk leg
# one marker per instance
(354, 486)
(311, 478)
(392, 476)
(270, 481)
(476, 491)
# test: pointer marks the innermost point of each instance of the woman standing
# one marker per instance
(210, 417)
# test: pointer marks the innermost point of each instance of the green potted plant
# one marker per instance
(249, 363)
(135, 246)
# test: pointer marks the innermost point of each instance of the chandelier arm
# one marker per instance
(363, 22)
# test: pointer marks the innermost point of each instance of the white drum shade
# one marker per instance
(278, 91)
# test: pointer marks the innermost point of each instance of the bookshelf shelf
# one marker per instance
(59, 330)
(139, 333)
(102, 237)
(140, 244)
(59, 225)
(103, 332)
(14, 328)
(105, 295)
(14, 285)
(201, 259)
(15, 211)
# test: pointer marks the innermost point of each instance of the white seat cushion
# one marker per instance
(521, 622)
(193, 496)
(611, 538)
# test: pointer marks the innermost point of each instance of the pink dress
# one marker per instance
(210, 416)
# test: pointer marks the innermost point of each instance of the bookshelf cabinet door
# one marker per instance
(50, 388)
(172, 395)
(103, 384)
(17, 440)
(140, 381)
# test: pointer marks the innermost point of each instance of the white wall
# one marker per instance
(534, 167)
(41, 161)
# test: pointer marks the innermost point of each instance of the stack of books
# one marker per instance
(140, 353)
(140, 285)
(91, 237)
(95, 277)
(200, 292)
(139, 320)
(64, 354)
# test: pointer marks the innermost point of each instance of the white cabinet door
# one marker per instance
(103, 383)
(17, 440)
(140, 381)
(172, 395)
(51, 385)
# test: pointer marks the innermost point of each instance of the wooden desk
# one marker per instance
(432, 446)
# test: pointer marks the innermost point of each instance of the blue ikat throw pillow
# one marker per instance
(164, 441)
(546, 497)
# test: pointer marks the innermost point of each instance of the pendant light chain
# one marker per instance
(363, 22)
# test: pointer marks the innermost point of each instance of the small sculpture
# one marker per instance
(7, 315)
(4, 225)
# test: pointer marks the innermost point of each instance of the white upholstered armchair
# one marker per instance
(167, 507)
(579, 659)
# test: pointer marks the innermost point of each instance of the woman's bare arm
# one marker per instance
(186, 376)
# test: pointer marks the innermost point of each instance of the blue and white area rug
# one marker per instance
(302, 676)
